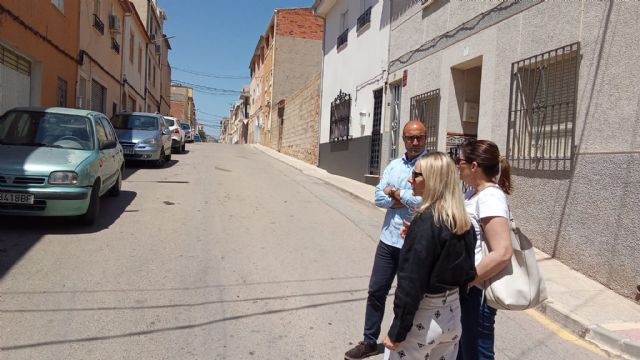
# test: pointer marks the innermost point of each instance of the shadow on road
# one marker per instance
(19, 234)
(131, 166)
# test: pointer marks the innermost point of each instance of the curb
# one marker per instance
(612, 343)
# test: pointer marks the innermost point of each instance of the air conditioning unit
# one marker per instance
(470, 112)
(114, 23)
(426, 3)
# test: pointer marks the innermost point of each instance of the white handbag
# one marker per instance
(519, 286)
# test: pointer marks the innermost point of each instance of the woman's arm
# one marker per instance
(498, 238)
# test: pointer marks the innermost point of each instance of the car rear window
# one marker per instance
(185, 126)
(169, 122)
(134, 122)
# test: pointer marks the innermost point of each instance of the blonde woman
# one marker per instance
(436, 259)
(489, 176)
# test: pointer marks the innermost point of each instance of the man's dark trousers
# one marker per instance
(385, 267)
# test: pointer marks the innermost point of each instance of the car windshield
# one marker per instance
(185, 126)
(134, 122)
(169, 122)
(44, 129)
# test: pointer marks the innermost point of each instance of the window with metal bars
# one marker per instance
(376, 135)
(542, 110)
(340, 117)
(426, 108)
(14, 61)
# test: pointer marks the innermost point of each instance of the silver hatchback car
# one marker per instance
(143, 136)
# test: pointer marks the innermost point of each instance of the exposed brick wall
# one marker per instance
(301, 122)
(299, 23)
(177, 109)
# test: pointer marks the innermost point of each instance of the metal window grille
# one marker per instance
(376, 135)
(542, 110)
(115, 46)
(61, 93)
(14, 61)
(340, 117)
(426, 108)
(364, 19)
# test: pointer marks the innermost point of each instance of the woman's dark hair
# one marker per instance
(487, 155)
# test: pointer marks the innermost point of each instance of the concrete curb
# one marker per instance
(615, 345)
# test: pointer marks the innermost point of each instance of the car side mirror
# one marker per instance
(166, 132)
(109, 144)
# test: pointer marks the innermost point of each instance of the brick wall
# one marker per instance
(299, 23)
(301, 122)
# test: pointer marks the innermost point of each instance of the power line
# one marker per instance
(216, 76)
(207, 89)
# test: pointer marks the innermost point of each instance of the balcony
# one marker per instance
(343, 38)
(98, 24)
(115, 46)
(364, 19)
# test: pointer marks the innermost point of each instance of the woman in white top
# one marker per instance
(489, 176)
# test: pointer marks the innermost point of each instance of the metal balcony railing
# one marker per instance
(343, 38)
(364, 19)
(115, 46)
(98, 24)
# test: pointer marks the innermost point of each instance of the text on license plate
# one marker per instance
(128, 150)
(16, 198)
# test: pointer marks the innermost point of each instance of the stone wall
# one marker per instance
(301, 122)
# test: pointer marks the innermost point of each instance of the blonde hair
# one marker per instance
(443, 192)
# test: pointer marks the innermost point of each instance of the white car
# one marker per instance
(188, 132)
(177, 134)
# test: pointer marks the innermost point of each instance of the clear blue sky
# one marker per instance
(216, 37)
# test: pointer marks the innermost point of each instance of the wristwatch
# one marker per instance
(393, 191)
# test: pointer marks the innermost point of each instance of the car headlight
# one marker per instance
(63, 178)
(151, 141)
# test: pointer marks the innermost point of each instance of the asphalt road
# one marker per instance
(226, 253)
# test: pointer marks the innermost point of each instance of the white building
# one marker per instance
(354, 72)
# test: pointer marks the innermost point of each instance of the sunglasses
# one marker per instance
(413, 138)
(457, 160)
(415, 174)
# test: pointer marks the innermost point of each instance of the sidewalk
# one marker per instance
(576, 302)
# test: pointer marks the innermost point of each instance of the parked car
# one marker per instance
(143, 136)
(177, 134)
(188, 132)
(197, 138)
(57, 162)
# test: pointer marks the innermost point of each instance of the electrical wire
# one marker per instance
(215, 76)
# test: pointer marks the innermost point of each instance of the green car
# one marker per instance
(57, 162)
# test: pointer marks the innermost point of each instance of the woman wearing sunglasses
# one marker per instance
(489, 176)
(436, 259)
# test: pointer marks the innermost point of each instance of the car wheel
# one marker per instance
(162, 160)
(183, 148)
(89, 218)
(168, 158)
(115, 189)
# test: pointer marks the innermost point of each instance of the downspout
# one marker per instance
(123, 76)
(324, 37)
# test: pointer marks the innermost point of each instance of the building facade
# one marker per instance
(99, 84)
(286, 57)
(183, 106)
(135, 40)
(552, 84)
(38, 53)
(354, 72)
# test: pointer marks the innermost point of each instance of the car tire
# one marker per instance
(183, 148)
(115, 189)
(162, 160)
(89, 217)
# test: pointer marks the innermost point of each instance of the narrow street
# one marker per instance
(226, 253)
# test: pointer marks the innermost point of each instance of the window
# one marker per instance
(154, 76)
(98, 95)
(108, 130)
(59, 4)
(365, 16)
(426, 108)
(542, 110)
(101, 133)
(340, 117)
(132, 40)
(61, 93)
(82, 93)
(344, 27)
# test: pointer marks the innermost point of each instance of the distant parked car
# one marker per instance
(57, 162)
(177, 134)
(197, 138)
(188, 132)
(143, 136)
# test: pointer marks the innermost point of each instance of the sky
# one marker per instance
(213, 42)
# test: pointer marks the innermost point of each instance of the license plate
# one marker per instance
(16, 198)
(128, 151)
